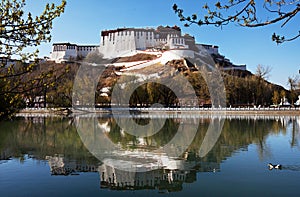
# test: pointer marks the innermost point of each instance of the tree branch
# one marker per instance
(244, 15)
(288, 15)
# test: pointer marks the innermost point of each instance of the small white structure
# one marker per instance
(284, 102)
(63, 52)
(36, 102)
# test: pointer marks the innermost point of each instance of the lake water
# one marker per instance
(190, 155)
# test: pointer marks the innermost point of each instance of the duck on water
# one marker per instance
(276, 166)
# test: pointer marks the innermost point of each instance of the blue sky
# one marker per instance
(83, 20)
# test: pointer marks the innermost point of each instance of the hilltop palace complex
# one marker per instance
(129, 41)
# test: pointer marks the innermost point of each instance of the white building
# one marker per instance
(63, 52)
(211, 49)
(123, 41)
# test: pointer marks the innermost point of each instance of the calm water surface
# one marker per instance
(96, 157)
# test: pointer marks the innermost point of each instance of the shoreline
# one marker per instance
(194, 111)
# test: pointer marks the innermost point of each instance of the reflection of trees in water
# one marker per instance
(236, 135)
(162, 137)
(295, 132)
(49, 136)
(41, 137)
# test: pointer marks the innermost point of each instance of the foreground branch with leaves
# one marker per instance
(19, 30)
(246, 13)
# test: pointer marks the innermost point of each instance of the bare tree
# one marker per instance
(263, 72)
(293, 82)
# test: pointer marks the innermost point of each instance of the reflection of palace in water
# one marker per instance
(46, 137)
(168, 178)
(141, 169)
(61, 166)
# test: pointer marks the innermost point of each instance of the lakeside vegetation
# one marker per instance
(21, 29)
(243, 88)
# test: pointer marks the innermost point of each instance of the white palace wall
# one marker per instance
(65, 52)
(119, 42)
(83, 51)
(128, 41)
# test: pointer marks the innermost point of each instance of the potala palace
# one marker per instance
(123, 42)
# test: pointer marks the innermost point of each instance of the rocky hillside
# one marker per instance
(242, 87)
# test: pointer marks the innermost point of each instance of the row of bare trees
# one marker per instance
(241, 89)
